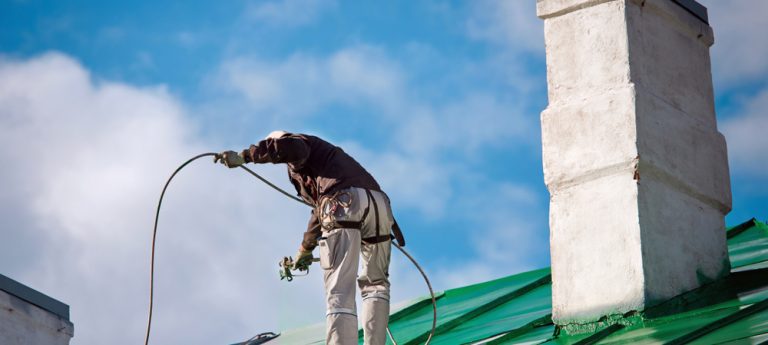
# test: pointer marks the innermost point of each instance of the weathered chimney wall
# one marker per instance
(635, 166)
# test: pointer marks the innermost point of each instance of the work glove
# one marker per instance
(230, 159)
(303, 260)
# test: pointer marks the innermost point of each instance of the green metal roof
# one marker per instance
(517, 309)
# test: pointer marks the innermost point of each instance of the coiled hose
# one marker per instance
(154, 237)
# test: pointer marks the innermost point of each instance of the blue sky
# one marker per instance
(439, 100)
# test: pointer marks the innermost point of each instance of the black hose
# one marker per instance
(154, 237)
(275, 187)
(431, 294)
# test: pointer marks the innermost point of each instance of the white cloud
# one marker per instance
(89, 159)
(423, 166)
(409, 164)
(366, 78)
(412, 182)
(510, 24)
(511, 230)
(466, 125)
(87, 206)
(745, 135)
(288, 13)
(189, 39)
(740, 49)
(301, 84)
(509, 239)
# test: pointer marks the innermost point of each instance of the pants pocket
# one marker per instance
(328, 250)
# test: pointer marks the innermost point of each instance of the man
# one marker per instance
(351, 219)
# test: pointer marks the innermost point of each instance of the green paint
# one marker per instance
(750, 327)
(543, 322)
(738, 229)
(702, 278)
(537, 335)
(460, 305)
(516, 309)
(755, 309)
(464, 321)
(629, 319)
(750, 245)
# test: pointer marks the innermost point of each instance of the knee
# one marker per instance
(340, 313)
(378, 295)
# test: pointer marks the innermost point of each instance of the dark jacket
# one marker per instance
(316, 168)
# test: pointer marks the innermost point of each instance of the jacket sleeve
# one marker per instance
(313, 232)
(283, 150)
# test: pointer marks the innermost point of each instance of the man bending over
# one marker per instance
(351, 221)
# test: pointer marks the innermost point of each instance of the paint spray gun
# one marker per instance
(287, 268)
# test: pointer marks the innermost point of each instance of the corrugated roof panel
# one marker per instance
(458, 302)
(665, 329)
(509, 316)
(750, 245)
(536, 335)
(748, 327)
(711, 306)
(516, 309)
(758, 339)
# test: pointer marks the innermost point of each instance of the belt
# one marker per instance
(397, 233)
(377, 239)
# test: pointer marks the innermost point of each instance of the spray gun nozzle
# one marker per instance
(285, 268)
(288, 266)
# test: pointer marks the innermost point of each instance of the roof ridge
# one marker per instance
(739, 229)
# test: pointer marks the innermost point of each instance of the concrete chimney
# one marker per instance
(636, 169)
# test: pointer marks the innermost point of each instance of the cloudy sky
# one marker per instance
(100, 101)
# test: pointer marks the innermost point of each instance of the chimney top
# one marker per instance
(695, 8)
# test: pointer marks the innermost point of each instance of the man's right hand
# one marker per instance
(230, 159)
(303, 260)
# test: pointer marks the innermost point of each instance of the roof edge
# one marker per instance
(696, 9)
(35, 297)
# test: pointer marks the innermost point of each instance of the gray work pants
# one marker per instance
(341, 252)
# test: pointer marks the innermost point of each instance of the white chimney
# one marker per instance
(634, 164)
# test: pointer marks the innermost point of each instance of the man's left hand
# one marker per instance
(230, 159)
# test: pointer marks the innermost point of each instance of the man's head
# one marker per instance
(277, 134)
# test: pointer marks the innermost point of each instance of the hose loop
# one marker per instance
(154, 239)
